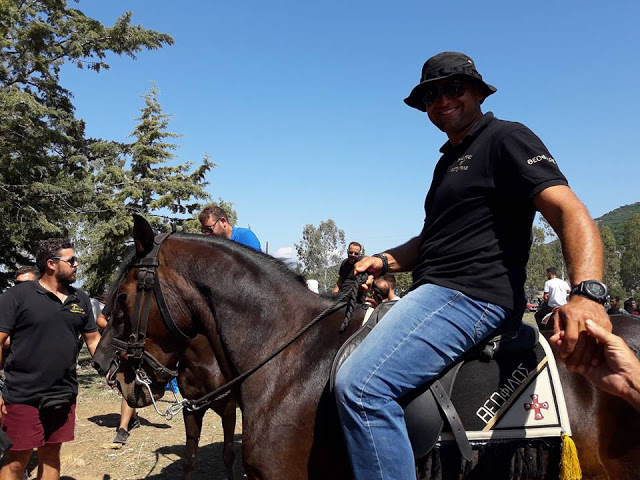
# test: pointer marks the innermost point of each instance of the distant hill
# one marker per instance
(617, 218)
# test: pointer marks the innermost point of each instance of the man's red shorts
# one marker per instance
(28, 429)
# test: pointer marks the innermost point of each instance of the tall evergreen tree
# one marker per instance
(45, 179)
(630, 261)
(136, 178)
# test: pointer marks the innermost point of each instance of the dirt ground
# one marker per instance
(152, 451)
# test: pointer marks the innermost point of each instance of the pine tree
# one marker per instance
(137, 178)
(45, 177)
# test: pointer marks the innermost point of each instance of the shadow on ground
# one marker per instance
(112, 420)
(209, 464)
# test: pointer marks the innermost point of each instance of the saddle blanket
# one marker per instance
(517, 395)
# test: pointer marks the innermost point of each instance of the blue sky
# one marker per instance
(300, 103)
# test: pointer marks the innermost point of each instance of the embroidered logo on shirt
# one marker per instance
(75, 308)
(459, 166)
(540, 158)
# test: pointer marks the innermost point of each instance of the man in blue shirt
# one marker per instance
(214, 222)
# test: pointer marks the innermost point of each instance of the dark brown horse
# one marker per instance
(605, 428)
(247, 304)
(198, 373)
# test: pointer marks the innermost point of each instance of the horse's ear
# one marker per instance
(142, 235)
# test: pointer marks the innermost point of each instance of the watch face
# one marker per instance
(596, 289)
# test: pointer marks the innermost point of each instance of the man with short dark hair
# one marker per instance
(214, 221)
(346, 277)
(615, 308)
(468, 263)
(26, 274)
(44, 318)
(386, 286)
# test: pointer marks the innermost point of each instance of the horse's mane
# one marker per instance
(260, 258)
(263, 260)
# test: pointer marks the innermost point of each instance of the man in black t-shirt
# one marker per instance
(44, 318)
(346, 278)
(468, 265)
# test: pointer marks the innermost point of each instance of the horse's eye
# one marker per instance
(120, 305)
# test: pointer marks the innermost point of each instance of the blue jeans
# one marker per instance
(426, 331)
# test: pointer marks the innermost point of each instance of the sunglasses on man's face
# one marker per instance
(71, 261)
(355, 254)
(208, 230)
(451, 89)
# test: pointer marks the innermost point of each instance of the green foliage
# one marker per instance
(555, 250)
(630, 261)
(320, 252)
(617, 219)
(135, 178)
(404, 281)
(611, 262)
(45, 174)
(540, 258)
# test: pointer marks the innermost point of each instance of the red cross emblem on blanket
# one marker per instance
(536, 406)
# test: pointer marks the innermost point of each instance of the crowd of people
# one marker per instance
(468, 265)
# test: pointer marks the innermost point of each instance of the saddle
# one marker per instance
(482, 391)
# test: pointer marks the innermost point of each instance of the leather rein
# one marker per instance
(133, 349)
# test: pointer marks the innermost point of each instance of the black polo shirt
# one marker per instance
(44, 341)
(346, 275)
(479, 212)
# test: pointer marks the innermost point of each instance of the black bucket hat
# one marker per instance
(444, 65)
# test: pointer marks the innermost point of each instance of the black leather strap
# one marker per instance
(385, 262)
(444, 402)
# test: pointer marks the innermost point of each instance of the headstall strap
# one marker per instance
(148, 284)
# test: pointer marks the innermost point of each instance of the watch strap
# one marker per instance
(385, 262)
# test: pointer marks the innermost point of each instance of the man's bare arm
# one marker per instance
(583, 254)
(91, 339)
(101, 321)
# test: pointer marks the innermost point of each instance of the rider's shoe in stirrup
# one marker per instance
(134, 422)
(121, 436)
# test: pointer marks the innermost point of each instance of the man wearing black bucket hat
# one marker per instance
(468, 265)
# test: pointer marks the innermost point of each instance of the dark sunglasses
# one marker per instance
(209, 229)
(71, 261)
(452, 89)
(355, 254)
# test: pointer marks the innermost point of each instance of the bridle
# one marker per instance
(133, 348)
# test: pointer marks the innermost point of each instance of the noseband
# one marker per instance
(133, 348)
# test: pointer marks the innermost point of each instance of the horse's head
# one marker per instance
(140, 347)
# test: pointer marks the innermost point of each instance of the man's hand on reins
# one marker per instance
(371, 265)
(578, 350)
